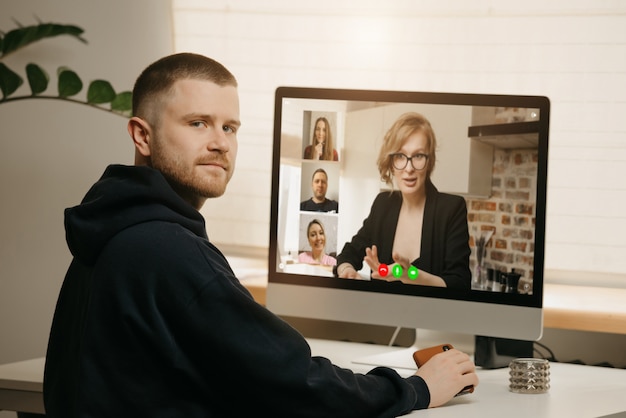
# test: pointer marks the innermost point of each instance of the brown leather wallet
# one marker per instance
(423, 355)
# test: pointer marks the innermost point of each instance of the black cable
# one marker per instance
(551, 357)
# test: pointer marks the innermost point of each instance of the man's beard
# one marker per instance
(320, 196)
(185, 178)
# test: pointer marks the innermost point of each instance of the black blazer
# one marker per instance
(445, 247)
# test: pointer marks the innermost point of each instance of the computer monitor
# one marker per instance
(492, 151)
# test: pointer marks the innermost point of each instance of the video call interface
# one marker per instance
(327, 178)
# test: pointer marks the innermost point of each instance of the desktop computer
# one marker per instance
(490, 163)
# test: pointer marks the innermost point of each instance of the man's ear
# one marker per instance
(141, 134)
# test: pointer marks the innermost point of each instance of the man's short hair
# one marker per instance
(156, 81)
(319, 170)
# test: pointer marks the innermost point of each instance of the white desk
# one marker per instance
(576, 391)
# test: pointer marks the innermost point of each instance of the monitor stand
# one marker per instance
(395, 358)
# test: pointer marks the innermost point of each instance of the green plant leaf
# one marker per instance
(37, 78)
(9, 81)
(123, 103)
(100, 91)
(69, 82)
(21, 37)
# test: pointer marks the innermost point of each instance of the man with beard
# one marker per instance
(152, 322)
(319, 202)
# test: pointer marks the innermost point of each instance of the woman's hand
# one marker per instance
(319, 149)
(371, 258)
(346, 271)
(423, 278)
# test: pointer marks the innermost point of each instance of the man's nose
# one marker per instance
(218, 141)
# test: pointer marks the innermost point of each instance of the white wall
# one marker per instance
(51, 152)
(574, 52)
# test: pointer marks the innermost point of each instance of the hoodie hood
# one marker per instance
(125, 196)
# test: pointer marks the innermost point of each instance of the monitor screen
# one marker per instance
(410, 209)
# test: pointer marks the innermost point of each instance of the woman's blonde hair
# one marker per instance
(405, 126)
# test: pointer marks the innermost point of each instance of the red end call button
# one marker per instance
(383, 270)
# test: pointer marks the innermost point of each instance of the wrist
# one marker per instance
(343, 267)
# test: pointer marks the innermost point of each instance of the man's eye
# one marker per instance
(198, 124)
(229, 129)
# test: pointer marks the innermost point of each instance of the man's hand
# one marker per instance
(446, 374)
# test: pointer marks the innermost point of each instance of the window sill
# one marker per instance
(584, 308)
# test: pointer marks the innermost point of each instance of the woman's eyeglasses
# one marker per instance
(400, 161)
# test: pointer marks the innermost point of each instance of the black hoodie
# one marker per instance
(152, 322)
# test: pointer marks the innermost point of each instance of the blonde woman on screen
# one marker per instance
(414, 228)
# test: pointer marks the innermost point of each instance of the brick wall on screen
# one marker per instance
(509, 212)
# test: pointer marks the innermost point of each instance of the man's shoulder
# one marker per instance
(307, 204)
(160, 239)
(332, 204)
(165, 250)
(158, 227)
(328, 205)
